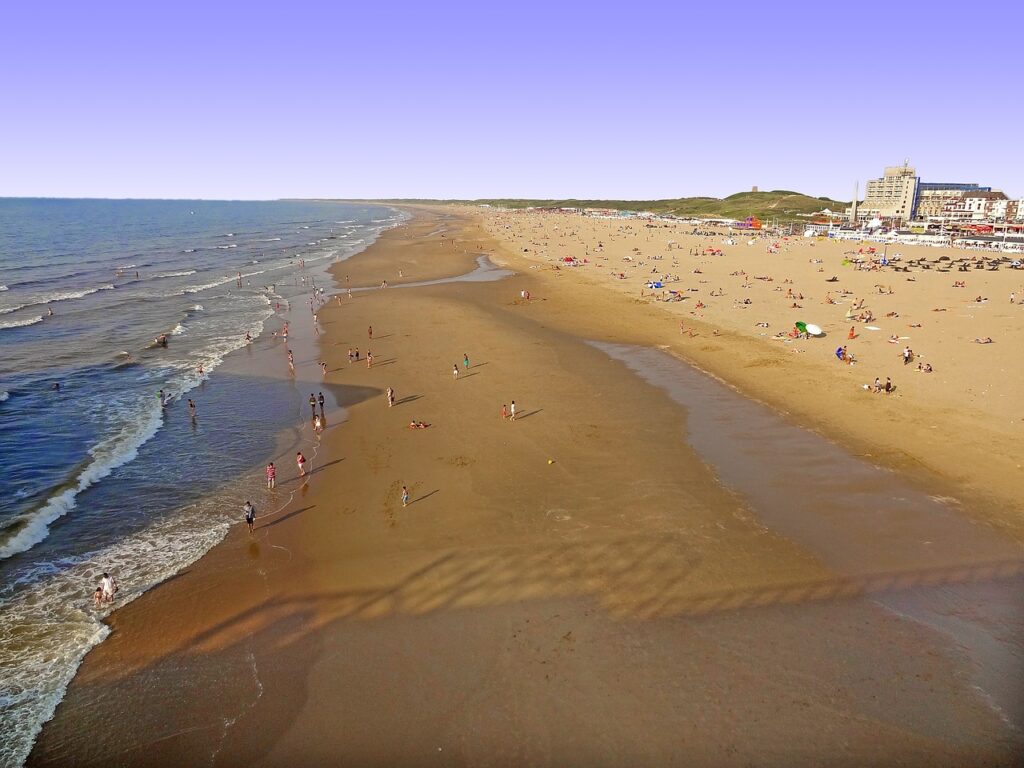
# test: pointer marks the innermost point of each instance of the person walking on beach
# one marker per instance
(271, 476)
(97, 597)
(465, 360)
(320, 399)
(250, 515)
(312, 404)
(300, 461)
(455, 371)
(504, 411)
(391, 397)
(405, 496)
(369, 333)
(369, 359)
(512, 412)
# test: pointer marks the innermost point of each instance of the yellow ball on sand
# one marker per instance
(551, 461)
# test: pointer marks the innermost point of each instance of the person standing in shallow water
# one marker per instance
(250, 515)
(271, 476)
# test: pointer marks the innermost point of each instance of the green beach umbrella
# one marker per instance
(801, 326)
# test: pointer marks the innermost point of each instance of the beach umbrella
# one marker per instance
(801, 326)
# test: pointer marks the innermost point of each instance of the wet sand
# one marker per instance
(633, 573)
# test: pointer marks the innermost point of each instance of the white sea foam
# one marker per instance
(50, 624)
(107, 456)
(21, 323)
(269, 240)
(183, 273)
(197, 308)
(207, 286)
(51, 298)
(233, 245)
(4, 395)
(179, 329)
(3, 287)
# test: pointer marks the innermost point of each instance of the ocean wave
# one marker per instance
(50, 624)
(3, 288)
(179, 329)
(4, 394)
(52, 298)
(207, 286)
(269, 240)
(222, 247)
(197, 308)
(31, 528)
(21, 323)
(183, 273)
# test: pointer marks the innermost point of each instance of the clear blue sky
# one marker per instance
(624, 100)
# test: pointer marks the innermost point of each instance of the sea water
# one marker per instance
(97, 474)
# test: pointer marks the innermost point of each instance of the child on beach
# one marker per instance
(108, 587)
(250, 515)
(271, 476)
(405, 496)
(300, 461)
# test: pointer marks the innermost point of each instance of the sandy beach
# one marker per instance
(739, 295)
(646, 567)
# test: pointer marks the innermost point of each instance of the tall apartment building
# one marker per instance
(893, 196)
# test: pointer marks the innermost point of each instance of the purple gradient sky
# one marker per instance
(625, 100)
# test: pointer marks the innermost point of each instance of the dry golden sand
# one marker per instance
(575, 588)
(964, 422)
